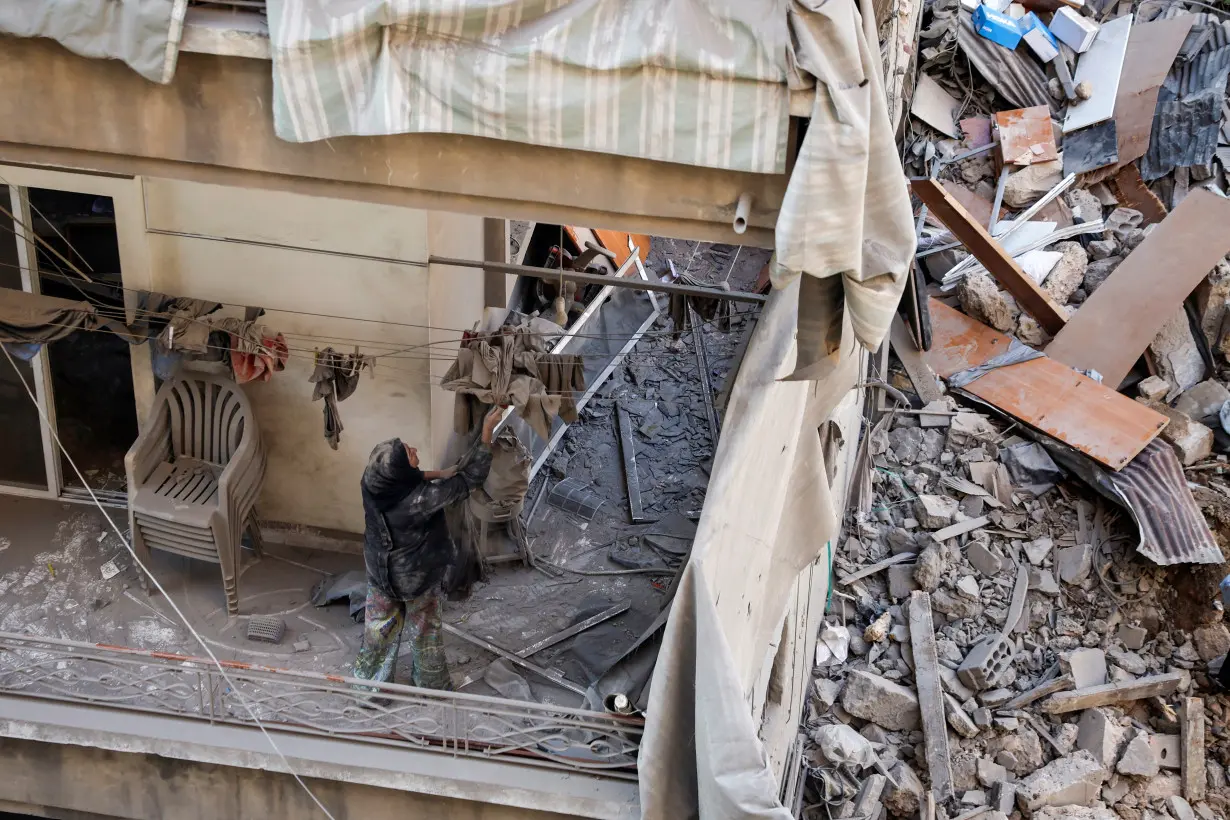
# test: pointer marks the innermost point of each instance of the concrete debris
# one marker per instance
(881, 701)
(1075, 813)
(929, 569)
(1177, 355)
(1075, 780)
(1074, 563)
(1133, 637)
(905, 791)
(1087, 667)
(1203, 402)
(1102, 249)
(1120, 222)
(1211, 641)
(1153, 388)
(1068, 273)
(1138, 758)
(982, 299)
(1100, 734)
(985, 558)
(1031, 183)
(1192, 441)
(1098, 271)
(935, 511)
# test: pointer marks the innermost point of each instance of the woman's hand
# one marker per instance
(489, 423)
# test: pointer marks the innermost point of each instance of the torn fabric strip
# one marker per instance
(31, 318)
(846, 212)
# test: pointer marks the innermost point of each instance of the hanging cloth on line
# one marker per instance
(31, 318)
(336, 377)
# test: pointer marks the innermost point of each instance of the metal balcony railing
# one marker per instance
(449, 723)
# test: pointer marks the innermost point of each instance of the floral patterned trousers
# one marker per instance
(386, 619)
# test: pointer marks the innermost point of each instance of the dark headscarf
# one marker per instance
(388, 477)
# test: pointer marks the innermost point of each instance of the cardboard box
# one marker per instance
(1038, 37)
(1073, 30)
(997, 27)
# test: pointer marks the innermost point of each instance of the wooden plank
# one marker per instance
(627, 446)
(1130, 189)
(1032, 299)
(1107, 426)
(960, 528)
(1191, 756)
(1151, 51)
(922, 376)
(1040, 691)
(1109, 694)
(930, 695)
(1119, 320)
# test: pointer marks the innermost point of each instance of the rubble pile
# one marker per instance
(1063, 669)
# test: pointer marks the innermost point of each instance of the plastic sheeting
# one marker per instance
(145, 34)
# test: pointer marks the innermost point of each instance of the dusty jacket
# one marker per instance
(407, 547)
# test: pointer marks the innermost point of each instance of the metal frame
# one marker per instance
(313, 703)
(133, 264)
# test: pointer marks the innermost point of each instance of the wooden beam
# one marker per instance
(1191, 757)
(1032, 299)
(930, 695)
(1109, 694)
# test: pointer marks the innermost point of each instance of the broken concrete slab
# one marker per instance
(984, 558)
(1203, 402)
(1211, 641)
(1076, 813)
(905, 791)
(1179, 808)
(1100, 734)
(1138, 758)
(1075, 780)
(1068, 273)
(960, 528)
(1133, 637)
(990, 772)
(1127, 661)
(968, 586)
(1099, 271)
(881, 701)
(1112, 693)
(929, 568)
(1176, 354)
(958, 718)
(981, 299)
(1087, 667)
(1192, 441)
(1027, 186)
(1043, 580)
(1153, 388)
(1038, 550)
(935, 511)
(1074, 563)
(901, 581)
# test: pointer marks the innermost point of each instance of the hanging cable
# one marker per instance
(221, 669)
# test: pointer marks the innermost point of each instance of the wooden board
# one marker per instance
(1151, 51)
(1032, 299)
(1045, 394)
(617, 243)
(1120, 319)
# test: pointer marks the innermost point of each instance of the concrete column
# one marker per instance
(495, 249)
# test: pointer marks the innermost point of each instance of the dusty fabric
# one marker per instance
(256, 351)
(386, 619)
(509, 478)
(846, 211)
(709, 310)
(184, 329)
(336, 377)
(700, 83)
(30, 318)
(145, 34)
(407, 548)
(510, 366)
(768, 514)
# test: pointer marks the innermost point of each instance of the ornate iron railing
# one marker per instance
(447, 722)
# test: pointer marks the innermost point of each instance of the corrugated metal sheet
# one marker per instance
(1017, 77)
(1187, 123)
(1172, 529)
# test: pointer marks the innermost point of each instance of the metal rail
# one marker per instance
(453, 723)
(596, 279)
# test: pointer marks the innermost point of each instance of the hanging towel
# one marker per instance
(336, 377)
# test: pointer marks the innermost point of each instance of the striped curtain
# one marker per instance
(700, 82)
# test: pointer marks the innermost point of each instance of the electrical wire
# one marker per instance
(221, 670)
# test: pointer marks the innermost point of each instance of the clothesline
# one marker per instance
(430, 379)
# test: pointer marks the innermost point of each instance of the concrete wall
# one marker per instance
(297, 255)
(66, 781)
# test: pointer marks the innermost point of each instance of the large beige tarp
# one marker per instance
(845, 240)
(145, 34)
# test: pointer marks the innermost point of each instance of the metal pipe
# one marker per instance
(595, 279)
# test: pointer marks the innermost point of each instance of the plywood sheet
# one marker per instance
(1150, 53)
(1045, 394)
(617, 242)
(1117, 322)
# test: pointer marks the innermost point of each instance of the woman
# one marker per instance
(411, 558)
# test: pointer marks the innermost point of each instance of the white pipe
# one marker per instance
(742, 209)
